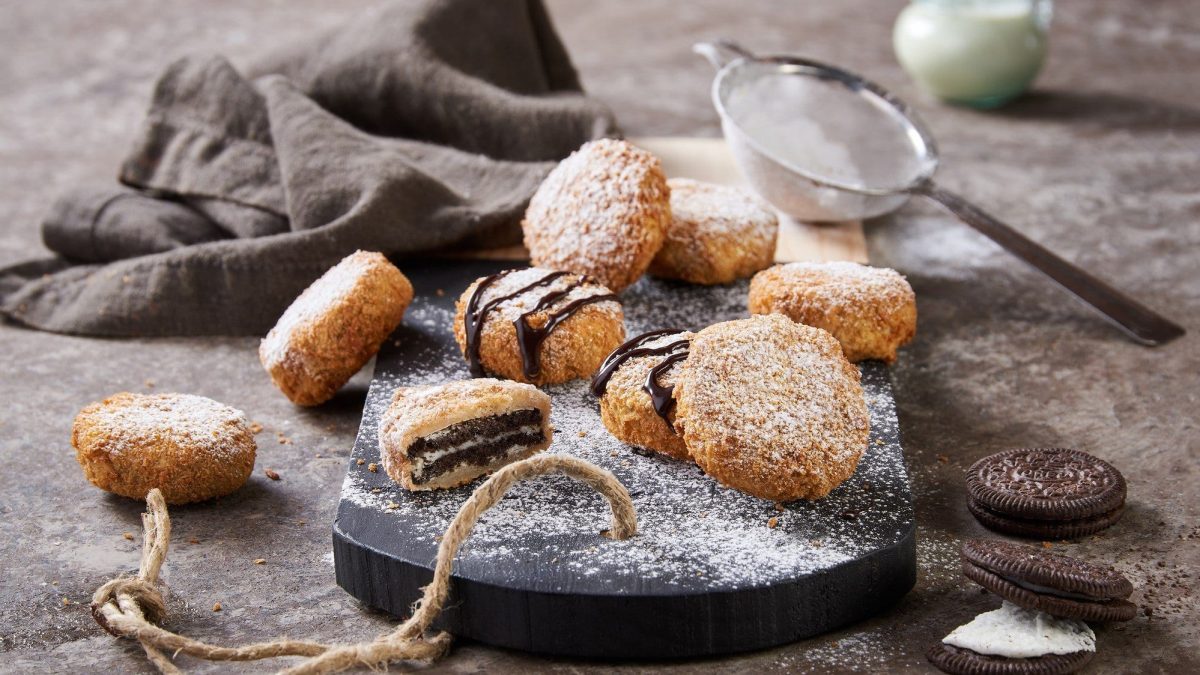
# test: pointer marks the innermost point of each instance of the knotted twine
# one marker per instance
(132, 607)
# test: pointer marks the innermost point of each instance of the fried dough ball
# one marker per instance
(336, 325)
(772, 408)
(602, 212)
(190, 447)
(568, 324)
(718, 234)
(872, 311)
(626, 407)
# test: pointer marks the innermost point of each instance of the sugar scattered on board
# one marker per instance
(691, 529)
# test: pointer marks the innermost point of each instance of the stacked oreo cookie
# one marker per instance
(1040, 629)
(1045, 493)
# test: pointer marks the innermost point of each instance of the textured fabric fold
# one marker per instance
(420, 125)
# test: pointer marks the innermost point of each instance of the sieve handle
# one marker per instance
(721, 53)
(1140, 322)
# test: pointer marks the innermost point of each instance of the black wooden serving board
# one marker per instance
(706, 575)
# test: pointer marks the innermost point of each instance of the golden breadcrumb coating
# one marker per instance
(602, 212)
(772, 408)
(626, 408)
(872, 311)
(336, 325)
(416, 412)
(718, 234)
(575, 348)
(190, 447)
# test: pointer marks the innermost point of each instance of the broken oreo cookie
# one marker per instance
(951, 659)
(1013, 640)
(1047, 493)
(1056, 584)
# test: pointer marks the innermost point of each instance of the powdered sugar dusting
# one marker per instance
(843, 283)
(138, 420)
(601, 211)
(814, 402)
(694, 534)
(727, 209)
(337, 284)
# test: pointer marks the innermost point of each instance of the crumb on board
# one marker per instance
(256, 428)
(772, 522)
(271, 473)
(128, 536)
(373, 467)
(260, 561)
(193, 540)
(360, 461)
(216, 606)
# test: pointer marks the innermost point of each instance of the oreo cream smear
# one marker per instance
(1018, 633)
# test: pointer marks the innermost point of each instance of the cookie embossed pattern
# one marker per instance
(1045, 493)
(711, 571)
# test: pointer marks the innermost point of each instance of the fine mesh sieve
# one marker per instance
(823, 144)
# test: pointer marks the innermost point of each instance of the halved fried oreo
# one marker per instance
(448, 435)
(1056, 584)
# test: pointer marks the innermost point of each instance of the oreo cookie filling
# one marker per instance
(477, 442)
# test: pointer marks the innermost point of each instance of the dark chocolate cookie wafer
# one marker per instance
(1043, 529)
(1056, 584)
(1014, 490)
(958, 661)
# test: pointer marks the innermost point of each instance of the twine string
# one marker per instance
(133, 607)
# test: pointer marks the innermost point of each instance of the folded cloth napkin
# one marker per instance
(421, 125)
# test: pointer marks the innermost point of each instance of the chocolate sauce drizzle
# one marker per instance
(661, 397)
(529, 338)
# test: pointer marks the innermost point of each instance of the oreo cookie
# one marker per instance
(1056, 584)
(959, 661)
(1046, 493)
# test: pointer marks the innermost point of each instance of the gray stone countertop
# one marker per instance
(1100, 163)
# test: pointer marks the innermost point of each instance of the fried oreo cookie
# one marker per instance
(1056, 584)
(1045, 493)
(636, 388)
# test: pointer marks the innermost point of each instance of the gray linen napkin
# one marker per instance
(421, 125)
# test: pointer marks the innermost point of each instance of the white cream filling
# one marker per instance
(419, 463)
(1019, 633)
